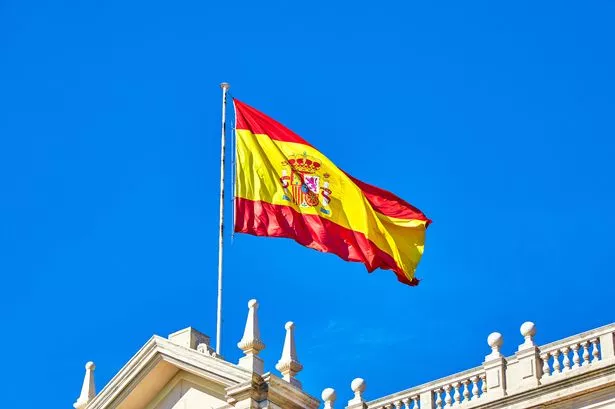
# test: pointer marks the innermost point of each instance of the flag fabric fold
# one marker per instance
(285, 187)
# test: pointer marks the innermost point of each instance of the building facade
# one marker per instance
(184, 372)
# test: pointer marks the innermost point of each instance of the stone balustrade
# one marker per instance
(572, 353)
(509, 379)
(461, 389)
(452, 391)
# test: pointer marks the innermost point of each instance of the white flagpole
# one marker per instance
(225, 86)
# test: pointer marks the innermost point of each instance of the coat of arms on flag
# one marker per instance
(303, 183)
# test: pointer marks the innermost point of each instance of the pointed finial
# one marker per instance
(328, 396)
(288, 364)
(88, 390)
(251, 343)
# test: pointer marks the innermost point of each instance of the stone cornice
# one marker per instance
(254, 388)
(216, 370)
(287, 396)
(158, 349)
(143, 360)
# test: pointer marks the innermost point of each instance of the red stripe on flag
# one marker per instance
(265, 219)
(388, 204)
(259, 123)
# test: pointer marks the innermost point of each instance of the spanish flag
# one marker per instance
(287, 188)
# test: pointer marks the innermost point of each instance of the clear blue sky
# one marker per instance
(495, 119)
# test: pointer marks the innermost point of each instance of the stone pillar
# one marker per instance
(607, 346)
(426, 400)
(528, 368)
(495, 368)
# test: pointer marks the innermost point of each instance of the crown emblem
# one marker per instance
(303, 184)
(304, 163)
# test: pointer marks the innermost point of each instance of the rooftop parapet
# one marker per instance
(508, 379)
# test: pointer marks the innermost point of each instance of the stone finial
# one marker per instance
(328, 396)
(88, 390)
(251, 343)
(495, 341)
(288, 364)
(528, 330)
(358, 387)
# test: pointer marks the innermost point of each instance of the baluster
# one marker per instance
(438, 398)
(447, 396)
(466, 390)
(475, 387)
(483, 378)
(565, 352)
(416, 402)
(556, 364)
(585, 345)
(546, 369)
(457, 394)
(406, 402)
(595, 352)
(397, 404)
(575, 356)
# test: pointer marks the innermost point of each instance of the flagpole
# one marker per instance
(225, 86)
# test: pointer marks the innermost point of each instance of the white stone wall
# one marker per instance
(186, 395)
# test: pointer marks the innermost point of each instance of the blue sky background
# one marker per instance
(494, 118)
